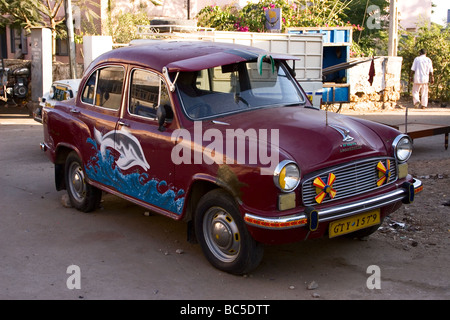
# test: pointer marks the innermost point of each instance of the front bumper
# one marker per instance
(312, 217)
(37, 113)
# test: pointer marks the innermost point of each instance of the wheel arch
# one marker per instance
(199, 187)
(61, 154)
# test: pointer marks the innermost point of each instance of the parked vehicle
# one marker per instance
(223, 137)
(59, 91)
(14, 83)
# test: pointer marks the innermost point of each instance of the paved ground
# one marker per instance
(124, 253)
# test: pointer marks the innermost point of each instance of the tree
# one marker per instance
(122, 25)
(371, 19)
(19, 13)
(41, 13)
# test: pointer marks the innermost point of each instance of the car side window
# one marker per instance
(104, 88)
(89, 89)
(147, 92)
(109, 88)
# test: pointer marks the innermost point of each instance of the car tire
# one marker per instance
(223, 236)
(82, 195)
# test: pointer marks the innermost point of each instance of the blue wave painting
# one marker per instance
(102, 168)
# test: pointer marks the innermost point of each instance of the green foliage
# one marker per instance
(123, 25)
(300, 13)
(222, 19)
(371, 20)
(20, 13)
(38, 13)
(436, 40)
(319, 13)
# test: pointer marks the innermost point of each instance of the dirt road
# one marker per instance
(124, 252)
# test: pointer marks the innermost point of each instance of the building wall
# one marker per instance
(176, 9)
(18, 51)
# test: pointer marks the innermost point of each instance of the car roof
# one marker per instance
(183, 55)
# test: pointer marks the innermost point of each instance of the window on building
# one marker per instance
(18, 43)
(62, 47)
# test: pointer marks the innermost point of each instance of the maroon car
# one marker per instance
(223, 137)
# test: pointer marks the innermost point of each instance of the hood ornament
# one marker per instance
(344, 132)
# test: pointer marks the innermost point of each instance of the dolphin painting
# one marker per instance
(127, 145)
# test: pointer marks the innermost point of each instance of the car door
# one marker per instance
(101, 100)
(147, 146)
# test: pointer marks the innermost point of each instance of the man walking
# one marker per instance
(422, 71)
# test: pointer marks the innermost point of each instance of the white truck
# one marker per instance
(308, 47)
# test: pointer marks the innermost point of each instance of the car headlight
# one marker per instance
(402, 147)
(286, 176)
(51, 93)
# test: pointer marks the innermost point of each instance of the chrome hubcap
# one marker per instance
(77, 185)
(221, 234)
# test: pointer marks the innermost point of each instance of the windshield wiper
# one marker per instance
(294, 104)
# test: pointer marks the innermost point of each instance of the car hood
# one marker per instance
(313, 138)
(72, 83)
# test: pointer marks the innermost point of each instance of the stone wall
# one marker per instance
(385, 90)
(16, 63)
(61, 71)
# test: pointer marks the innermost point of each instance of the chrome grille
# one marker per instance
(351, 180)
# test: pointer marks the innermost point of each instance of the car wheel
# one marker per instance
(82, 195)
(223, 236)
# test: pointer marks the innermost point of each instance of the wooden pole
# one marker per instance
(72, 53)
(393, 29)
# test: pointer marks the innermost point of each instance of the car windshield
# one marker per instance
(239, 87)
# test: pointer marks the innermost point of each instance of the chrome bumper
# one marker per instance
(43, 146)
(405, 194)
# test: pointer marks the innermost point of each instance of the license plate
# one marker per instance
(353, 223)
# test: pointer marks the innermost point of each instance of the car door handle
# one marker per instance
(121, 123)
(73, 110)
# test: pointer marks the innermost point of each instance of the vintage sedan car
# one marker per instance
(59, 91)
(222, 137)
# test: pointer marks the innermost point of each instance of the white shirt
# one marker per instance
(422, 66)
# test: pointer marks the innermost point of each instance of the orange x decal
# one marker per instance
(384, 172)
(322, 188)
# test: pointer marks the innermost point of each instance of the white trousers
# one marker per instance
(420, 93)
